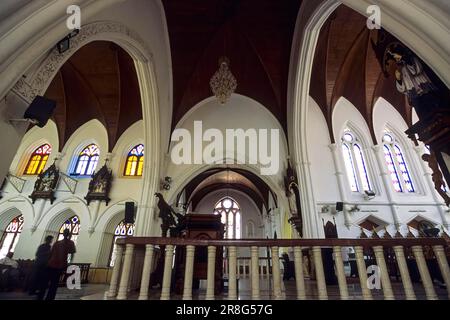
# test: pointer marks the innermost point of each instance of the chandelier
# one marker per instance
(223, 83)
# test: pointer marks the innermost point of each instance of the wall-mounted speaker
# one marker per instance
(339, 206)
(40, 110)
(129, 212)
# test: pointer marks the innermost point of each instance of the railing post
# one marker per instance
(254, 274)
(232, 290)
(146, 272)
(443, 266)
(424, 273)
(362, 273)
(211, 273)
(320, 275)
(188, 273)
(167, 275)
(125, 278)
(337, 251)
(276, 275)
(404, 273)
(384, 273)
(299, 276)
(116, 272)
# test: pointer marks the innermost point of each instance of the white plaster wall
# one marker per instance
(96, 226)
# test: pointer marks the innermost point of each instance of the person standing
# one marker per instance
(57, 265)
(40, 264)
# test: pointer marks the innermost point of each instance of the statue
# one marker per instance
(167, 213)
(436, 176)
(413, 81)
(45, 185)
(100, 185)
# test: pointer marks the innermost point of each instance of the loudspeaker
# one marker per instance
(129, 212)
(339, 206)
(40, 110)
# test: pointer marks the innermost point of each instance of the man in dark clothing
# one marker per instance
(57, 264)
(40, 265)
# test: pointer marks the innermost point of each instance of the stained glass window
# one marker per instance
(355, 164)
(396, 163)
(135, 161)
(122, 230)
(38, 159)
(230, 217)
(73, 224)
(11, 236)
(87, 161)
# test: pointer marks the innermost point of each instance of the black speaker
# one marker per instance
(129, 212)
(339, 206)
(40, 110)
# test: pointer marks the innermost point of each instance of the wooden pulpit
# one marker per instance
(201, 227)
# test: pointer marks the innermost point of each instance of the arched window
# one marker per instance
(230, 216)
(38, 159)
(122, 230)
(11, 236)
(135, 161)
(396, 163)
(355, 164)
(73, 224)
(87, 161)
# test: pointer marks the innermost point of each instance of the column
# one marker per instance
(116, 272)
(337, 252)
(276, 274)
(167, 276)
(254, 274)
(384, 274)
(320, 276)
(340, 180)
(188, 273)
(443, 266)
(125, 278)
(211, 273)
(404, 273)
(424, 273)
(146, 272)
(299, 276)
(362, 272)
(232, 290)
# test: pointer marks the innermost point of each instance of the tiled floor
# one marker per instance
(97, 292)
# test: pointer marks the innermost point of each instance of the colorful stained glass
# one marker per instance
(38, 160)
(87, 161)
(362, 169)
(73, 225)
(11, 236)
(122, 230)
(404, 169)
(135, 161)
(392, 169)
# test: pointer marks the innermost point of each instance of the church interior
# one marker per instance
(121, 131)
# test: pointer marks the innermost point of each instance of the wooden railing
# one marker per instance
(400, 250)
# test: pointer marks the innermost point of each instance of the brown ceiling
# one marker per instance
(98, 82)
(256, 36)
(345, 65)
(222, 178)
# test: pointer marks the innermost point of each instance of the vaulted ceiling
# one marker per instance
(345, 65)
(98, 82)
(223, 179)
(256, 36)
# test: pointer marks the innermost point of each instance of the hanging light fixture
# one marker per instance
(223, 83)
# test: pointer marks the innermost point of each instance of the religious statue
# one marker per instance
(437, 177)
(45, 184)
(100, 185)
(413, 81)
(168, 214)
(293, 196)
